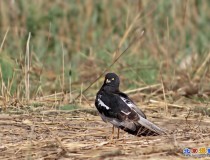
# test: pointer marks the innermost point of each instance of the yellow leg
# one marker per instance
(118, 133)
(112, 135)
(113, 130)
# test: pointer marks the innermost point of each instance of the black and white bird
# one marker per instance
(118, 109)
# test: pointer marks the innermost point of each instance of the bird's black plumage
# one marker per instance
(118, 109)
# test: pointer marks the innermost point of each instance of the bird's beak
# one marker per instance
(108, 81)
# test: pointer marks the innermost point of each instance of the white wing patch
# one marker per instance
(126, 113)
(101, 103)
(133, 107)
(129, 103)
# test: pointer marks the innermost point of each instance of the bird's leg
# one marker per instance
(112, 135)
(113, 130)
(118, 133)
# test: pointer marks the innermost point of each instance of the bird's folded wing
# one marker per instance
(122, 124)
(130, 104)
(149, 125)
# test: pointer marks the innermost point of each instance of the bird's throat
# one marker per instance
(109, 88)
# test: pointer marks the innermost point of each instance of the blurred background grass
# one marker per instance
(88, 32)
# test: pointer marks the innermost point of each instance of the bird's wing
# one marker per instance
(142, 117)
(125, 124)
(131, 104)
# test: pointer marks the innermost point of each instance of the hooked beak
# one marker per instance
(108, 81)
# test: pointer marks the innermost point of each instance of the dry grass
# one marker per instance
(167, 73)
(78, 134)
(46, 132)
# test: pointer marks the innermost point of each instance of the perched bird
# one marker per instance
(118, 109)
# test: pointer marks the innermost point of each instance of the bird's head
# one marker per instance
(112, 80)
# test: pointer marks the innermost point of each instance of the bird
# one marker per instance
(118, 109)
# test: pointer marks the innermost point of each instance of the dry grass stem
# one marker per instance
(150, 87)
(160, 103)
(63, 68)
(2, 43)
(27, 68)
(81, 91)
(70, 85)
(202, 66)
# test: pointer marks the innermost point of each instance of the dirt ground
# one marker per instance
(81, 134)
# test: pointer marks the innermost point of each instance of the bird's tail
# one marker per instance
(147, 128)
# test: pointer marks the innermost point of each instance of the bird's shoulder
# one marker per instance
(105, 101)
(107, 98)
(110, 104)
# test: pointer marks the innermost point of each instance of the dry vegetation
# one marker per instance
(52, 52)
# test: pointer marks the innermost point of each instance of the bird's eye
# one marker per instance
(112, 79)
